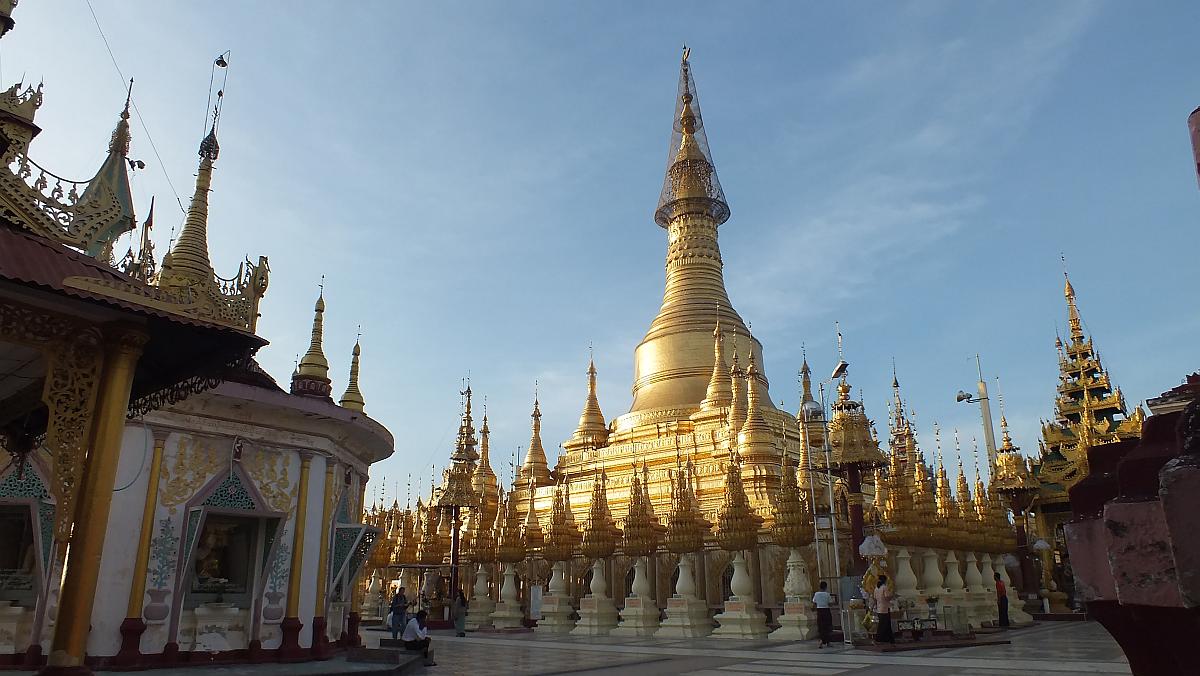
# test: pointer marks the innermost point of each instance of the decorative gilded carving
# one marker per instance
(195, 462)
(269, 470)
(73, 364)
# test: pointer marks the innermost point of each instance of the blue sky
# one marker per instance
(477, 182)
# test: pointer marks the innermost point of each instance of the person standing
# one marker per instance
(1002, 600)
(821, 600)
(416, 637)
(399, 613)
(459, 610)
(883, 611)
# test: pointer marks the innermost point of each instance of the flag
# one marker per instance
(1194, 128)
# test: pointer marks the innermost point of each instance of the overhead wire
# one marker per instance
(161, 165)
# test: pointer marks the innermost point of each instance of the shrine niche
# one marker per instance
(26, 534)
(230, 541)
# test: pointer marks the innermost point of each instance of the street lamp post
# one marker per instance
(985, 411)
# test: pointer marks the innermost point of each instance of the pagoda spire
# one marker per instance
(187, 263)
(353, 398)
(483, 479)
(720, 386)
(312, 374)
(673, 367)
(592, 431)
(535, 471)
(1073, 320)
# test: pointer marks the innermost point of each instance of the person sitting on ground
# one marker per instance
(416, 637)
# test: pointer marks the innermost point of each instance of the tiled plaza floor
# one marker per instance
(1062, 649)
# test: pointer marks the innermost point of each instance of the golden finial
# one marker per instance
(1073, 320)
(531, 532)
(737, 404)
(592, 430)
(353, 398)
(536, 470)
(313, 363)
(187, 264)
(720, 385)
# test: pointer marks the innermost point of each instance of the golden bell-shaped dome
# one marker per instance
(793, 526)
(737, 524)
(600, 532)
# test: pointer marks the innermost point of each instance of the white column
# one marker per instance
(742, 618)
(639, 617)
(687, 615)
(597, 614)
(906, 579)
(479, 610)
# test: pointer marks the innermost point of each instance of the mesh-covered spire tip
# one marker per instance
(690, 185)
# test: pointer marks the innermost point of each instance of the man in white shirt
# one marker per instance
(821, 600)
(416, 637)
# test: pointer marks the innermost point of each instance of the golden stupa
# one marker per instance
(689, 390)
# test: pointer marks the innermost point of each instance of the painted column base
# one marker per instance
(798, 621)
(687, 617)
(289, 645)
(597, 616)
(558, 617)
(320, 642)
(33, 656)
(508, 615)
(479, 613)
(130, 653)
(639, 617)
(741, 619)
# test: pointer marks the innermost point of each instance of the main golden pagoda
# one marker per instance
(690, 394)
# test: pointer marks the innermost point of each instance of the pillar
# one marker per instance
(854, 499)
(132, 627)
(123, 347)
(320, 642)
(289, 646)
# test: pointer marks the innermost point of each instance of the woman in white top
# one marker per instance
(883, 611)
(824, 615)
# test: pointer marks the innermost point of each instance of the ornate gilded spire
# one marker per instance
(535, 471)
(756, 440)
(592, 431)
(187, 264)
(431, 552)
(483, 479)
(686, 525)
(946, 508)
(510, 547)
(691, 184)
(1073, 320)
(720, 386)
(642, 530)
(600, 532)
(560, 538)
(737, 524)
(353, 398)
(737, 404)
(312, 374)
(532, 538)
(673, 364)
(793, 522)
